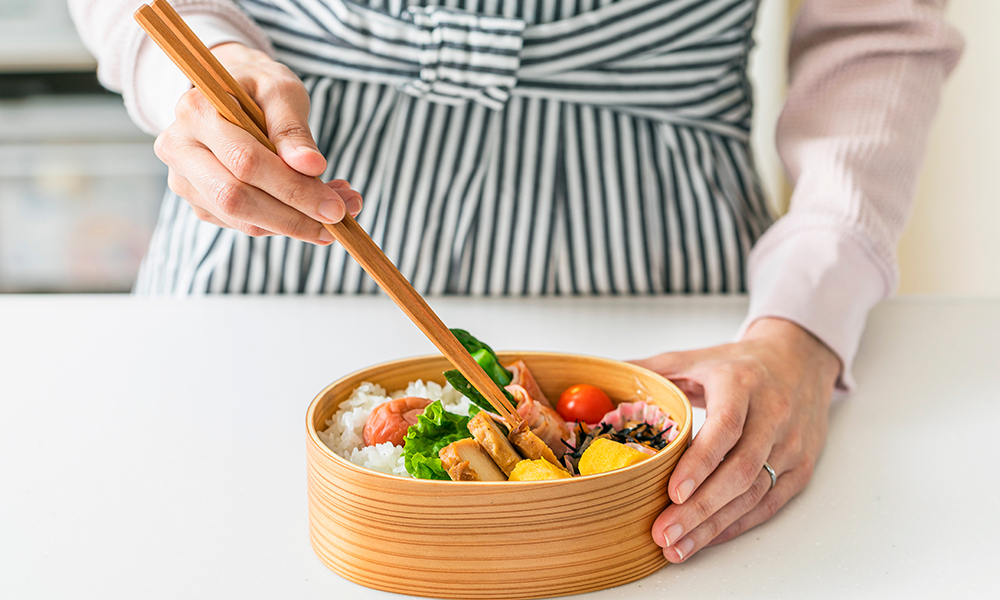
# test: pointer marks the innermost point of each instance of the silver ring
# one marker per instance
(774, 476)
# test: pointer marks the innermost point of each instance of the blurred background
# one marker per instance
(80, 186)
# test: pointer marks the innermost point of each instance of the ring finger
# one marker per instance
(788, 485)
(734, 476)
(352, 198)
(704, 534)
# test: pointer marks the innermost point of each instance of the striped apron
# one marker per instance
(508, 147)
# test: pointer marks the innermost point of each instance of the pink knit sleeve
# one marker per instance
(130, 63)
(866, 77)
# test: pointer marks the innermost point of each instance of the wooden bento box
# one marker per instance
(511, 540)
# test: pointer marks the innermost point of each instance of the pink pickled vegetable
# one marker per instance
(629, 414)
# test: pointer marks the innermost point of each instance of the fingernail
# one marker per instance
(684, 490)
(684, 547)
(326, 237)
(307, 150)
(332, 210)
(353, 205)
(673, 533)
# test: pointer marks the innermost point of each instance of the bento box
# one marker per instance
(508, 540)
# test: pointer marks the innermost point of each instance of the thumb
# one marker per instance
(283, 99)
(288, 129)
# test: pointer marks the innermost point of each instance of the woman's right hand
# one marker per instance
(231, 180)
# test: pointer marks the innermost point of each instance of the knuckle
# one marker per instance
(712, 528)
(282, 85)
(250, 230)
(760, 487)
(188, 104)
(231, 199)
(747, 374)
(291, 130)
(702, 509)
(746, 471)
(300, 229)
(770, 505)
(734, 530)
(793, 443)
(202, 214)
(708, 461)
(285, 82)
(731, 422)
(173, 180)
(784, 411)
(163, 146)
(781, 404)
(242, 161)
(806, 472)
(729, 371)
(296, 192)
(177, 184)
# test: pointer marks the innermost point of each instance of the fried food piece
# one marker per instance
(494, 442)
(543, 420)
(530, 445)
(465, 460)
(537, 470)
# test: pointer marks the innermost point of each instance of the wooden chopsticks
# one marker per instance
(172, 34)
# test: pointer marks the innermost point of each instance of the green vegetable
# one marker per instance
(460, 383)
(487, 359)
(435, 429)
(489, 364)
(485, 356)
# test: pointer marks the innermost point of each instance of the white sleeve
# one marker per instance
(130, 63)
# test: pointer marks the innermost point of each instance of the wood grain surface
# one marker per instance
(492, 540)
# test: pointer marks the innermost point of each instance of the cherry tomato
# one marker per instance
(582, 402)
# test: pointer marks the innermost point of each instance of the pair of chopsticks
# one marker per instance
(172, 34)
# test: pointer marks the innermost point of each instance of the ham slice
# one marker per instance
(522, 376)
(542, 419)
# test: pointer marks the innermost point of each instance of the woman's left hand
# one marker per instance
(767, 398)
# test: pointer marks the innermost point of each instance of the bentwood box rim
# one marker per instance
(505, 356)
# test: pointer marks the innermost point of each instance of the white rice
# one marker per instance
(345, 429)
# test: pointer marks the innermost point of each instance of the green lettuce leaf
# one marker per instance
(435, 429)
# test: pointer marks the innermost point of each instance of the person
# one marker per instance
(540, 147)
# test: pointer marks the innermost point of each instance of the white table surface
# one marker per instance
(155, 448)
